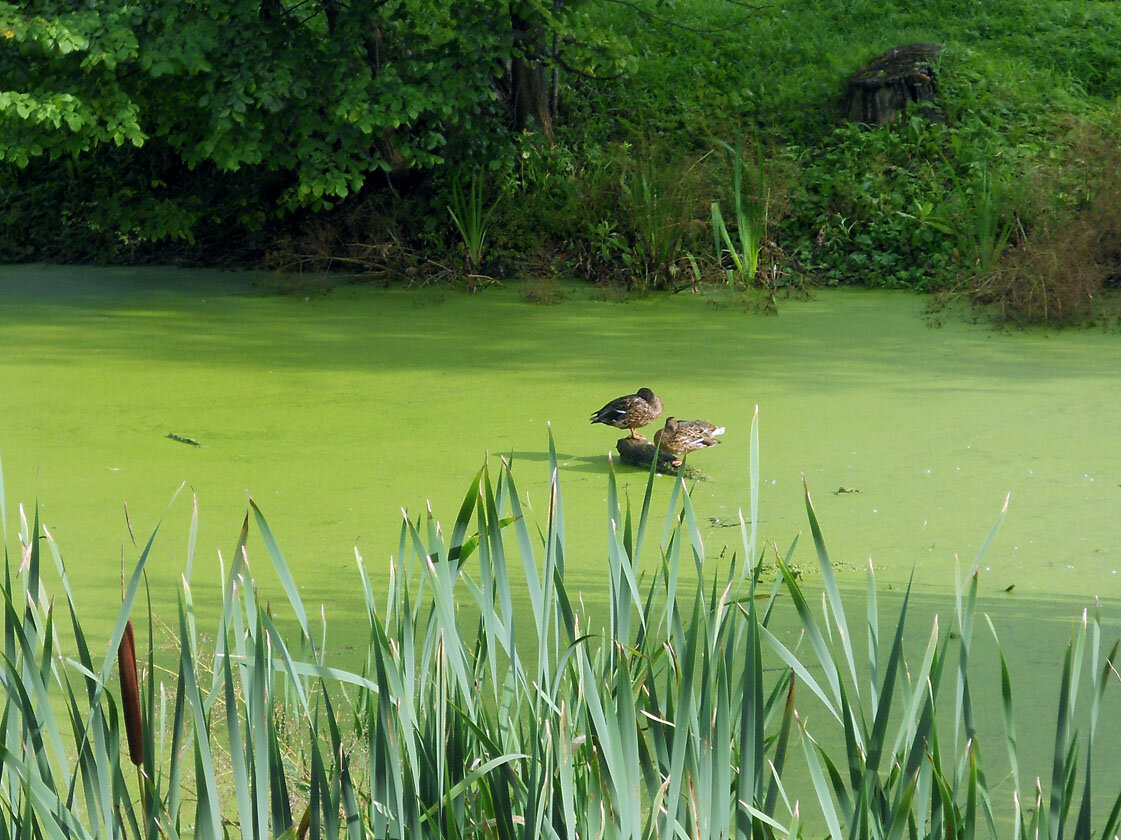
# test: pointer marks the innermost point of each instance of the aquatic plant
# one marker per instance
(490, 702)
(658, 201)
(749, 199)
(983, 229)
(472, 218)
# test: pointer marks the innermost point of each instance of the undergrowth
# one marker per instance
(1008, 198)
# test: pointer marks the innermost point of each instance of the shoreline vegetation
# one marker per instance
(637, 146)
(682, 715)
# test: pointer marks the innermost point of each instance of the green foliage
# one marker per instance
(749, 197)
(309, 101)
(60, 66)
(895, 206)
(870, 198)
(195, 82)
(217, 126)
(471, 218)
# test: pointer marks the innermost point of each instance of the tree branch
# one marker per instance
(564, 65)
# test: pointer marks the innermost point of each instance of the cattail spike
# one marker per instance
(130, 696)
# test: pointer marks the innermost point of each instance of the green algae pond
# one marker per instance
(337, 410)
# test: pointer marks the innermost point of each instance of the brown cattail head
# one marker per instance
(130, 695)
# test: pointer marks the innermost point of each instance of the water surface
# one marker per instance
(335, 411)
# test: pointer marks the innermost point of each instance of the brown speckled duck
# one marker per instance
(631, 411)
(680, 437)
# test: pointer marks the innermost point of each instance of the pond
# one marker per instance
(337, 410)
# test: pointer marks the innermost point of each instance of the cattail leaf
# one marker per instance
(887, 690)
(42, 801)
(280, 812)
(282, 572)
(192, 535)
(20, 679)
(824, 799)
(458, 549)
(813, 633)
(831, 590)
(208, 810)
(778, 762)
(239, 766)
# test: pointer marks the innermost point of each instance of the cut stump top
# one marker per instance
(880, 91)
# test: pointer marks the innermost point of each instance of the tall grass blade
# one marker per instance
(817, 641)
(824, 798)
(831, 590)
(238, 766)
(1061, 769)
(286, 581)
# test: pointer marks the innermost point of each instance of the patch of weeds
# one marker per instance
(660, 197)
(1059, 271)
(543, 291)
(471, 213)
(749, 208)
(613, 293)
(643, 218)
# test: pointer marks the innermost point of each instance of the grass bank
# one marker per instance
(721, 156)
(694, 142)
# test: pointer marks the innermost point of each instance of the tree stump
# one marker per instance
(640, 453)
(879, 93)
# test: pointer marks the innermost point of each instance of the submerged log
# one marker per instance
(640, 453)
(880, 92)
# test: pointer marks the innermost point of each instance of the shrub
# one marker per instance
(1074, 252)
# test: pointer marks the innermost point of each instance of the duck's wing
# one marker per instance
(702, 427)
(610, 412)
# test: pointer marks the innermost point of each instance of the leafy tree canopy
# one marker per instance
(324, 92)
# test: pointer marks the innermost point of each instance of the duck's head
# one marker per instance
(646, 394)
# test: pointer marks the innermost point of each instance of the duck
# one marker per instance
(631, 411)
(680, 437)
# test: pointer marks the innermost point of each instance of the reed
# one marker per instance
(471, 217)
(749, 199)
(491, 703)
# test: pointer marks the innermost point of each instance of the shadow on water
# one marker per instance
(567, 463)
(231, 318)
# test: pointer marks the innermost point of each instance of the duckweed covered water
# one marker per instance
(336, 410)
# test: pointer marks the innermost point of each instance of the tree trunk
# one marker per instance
(331, 11)
(529, 88)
